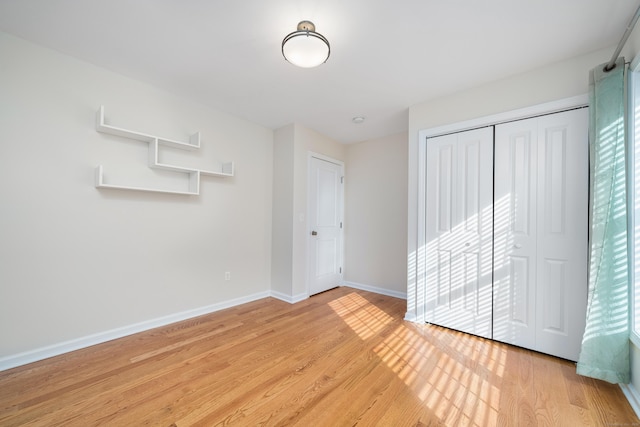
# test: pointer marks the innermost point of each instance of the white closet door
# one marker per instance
(515, 233)
(459, 230)
(541, 196)
(563, 177)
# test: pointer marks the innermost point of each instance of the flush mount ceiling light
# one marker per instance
(306, 48)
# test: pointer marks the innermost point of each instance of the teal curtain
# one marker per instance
(605, 345)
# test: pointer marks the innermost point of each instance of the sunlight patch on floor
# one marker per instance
(364, 318)
(454, 379)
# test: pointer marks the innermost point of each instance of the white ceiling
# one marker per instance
(386, 55)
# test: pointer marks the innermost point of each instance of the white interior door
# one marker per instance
(515, 248)
(563, 188)
(325, 225)
(459, 231)
(540, 251)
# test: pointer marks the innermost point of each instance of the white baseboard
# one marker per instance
(291, 299)
(375, 289)
(410, 317)
(632, 396)
(12, 361)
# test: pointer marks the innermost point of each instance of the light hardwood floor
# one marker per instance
(341, 358)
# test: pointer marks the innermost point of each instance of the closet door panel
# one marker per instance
(563, 178)
(552, 294)
(519, 301)
(541, 197)
(439, 187)
(475, 163)
(459, 221)
(515, 233)
(472, 283)
(445, 182)
(470, 191)
(441, 283)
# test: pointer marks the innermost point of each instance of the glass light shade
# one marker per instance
(306, 48)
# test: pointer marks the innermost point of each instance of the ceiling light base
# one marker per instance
(306, 26)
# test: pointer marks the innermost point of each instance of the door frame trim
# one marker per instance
(311, 155)
(416, 237)
(507, 116)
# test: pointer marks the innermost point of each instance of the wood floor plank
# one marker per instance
(342, 358)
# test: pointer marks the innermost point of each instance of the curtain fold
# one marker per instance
(605, 345)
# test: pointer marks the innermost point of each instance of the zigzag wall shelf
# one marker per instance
(226, 169)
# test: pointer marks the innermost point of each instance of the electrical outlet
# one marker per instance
(227, 275)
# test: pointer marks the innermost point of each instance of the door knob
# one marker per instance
(517, 246)
(314, 233)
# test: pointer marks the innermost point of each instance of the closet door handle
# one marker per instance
(517, 246)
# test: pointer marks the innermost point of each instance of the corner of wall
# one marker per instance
(282, 211)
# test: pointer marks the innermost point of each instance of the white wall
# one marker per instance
(376, 215)
(282, 217)
(77, 261)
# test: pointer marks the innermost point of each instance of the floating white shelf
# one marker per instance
(225, 170)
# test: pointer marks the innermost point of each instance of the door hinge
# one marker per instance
(340, 224)
(342, 180)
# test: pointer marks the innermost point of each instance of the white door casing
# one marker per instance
(459, 231)
(541, 198)
(325, 207)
